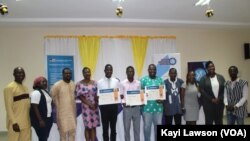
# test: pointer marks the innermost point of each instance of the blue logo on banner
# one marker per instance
(172, 61)
(164, 64)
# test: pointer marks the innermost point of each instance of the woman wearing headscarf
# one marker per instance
(40, 112)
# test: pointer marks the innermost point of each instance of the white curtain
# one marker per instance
(118, 53)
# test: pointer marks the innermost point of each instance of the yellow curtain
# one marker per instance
(139, 47)
(89, 49)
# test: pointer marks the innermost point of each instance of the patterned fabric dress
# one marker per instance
(91, 118)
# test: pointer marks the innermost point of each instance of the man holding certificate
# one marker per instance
(108, 93)
(132, 99)
(152, 111)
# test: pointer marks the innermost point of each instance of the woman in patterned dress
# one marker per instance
(86, 91)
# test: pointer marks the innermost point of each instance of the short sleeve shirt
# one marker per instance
(152, 106)
(35, 97)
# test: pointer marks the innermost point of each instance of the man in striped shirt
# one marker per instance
(235, 97)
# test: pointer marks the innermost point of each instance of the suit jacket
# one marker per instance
(207, 92)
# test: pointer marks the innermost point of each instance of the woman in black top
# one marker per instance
(40, 112)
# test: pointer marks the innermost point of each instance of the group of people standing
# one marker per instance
(182, 99)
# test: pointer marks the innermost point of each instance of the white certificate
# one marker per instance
(155, 92)
(135, 97)
(109, 96)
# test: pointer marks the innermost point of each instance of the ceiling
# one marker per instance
(136, 13)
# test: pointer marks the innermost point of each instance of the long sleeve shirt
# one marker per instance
(17, 104)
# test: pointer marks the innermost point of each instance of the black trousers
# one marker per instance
(213, 114)
(43, 133)
(169, 119)
(109, 117)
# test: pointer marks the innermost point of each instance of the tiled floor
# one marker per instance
(3, 135)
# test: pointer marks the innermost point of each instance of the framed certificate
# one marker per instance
(155, 92)
(135, 97)
(109, 96)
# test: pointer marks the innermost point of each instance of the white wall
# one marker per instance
(23, 46)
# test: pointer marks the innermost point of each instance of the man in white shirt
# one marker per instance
(108, 112)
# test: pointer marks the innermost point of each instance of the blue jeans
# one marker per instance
(231, 119)
(148, 120)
